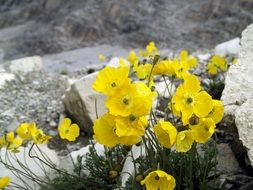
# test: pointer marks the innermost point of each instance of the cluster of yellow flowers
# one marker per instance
(25, 132)
(177, 67)
(129, 103)
(29, 131)
(217, 63)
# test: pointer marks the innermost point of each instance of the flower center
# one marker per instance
(157, 177)
(113, 84)
(125, 101)
(132, 117)
(206, 128)
(189, 100)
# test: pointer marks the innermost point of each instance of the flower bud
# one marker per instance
(113, 174)
(194, 120)
(139, 178)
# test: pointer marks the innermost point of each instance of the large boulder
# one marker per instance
(237, 96)
(83, 104)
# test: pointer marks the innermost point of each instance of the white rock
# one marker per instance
(128, 167)
(26, 64)
(67, 163)
(230, 47)
(237, 95)
(114, 62)
(22, 158)
(2, 70)
(244, 123)
(85, 150)
(163, 88)
(5, 77)
(204, 57)
(82, 103)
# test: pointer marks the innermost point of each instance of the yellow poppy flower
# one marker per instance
(164, 67)
(68, 131)
(181, 68)
(101, 57)
(143, 70)
(203, 130)
(131, 126)
(171, 106)
(129, 140)
(189, 99)
(105, 132)
(4, 182)
(38, 135)
(166, 133)
(135, 99)
(132, 58)
(217, 112)
(121, 102)
(217, 62)
(143, 99)
(220, 62)
(11, 142)
(212, 69)
(188, 60)
(159, 180)
(23, 130)
(184, 141)
(15, 144)
(150, 50)
(110, 79)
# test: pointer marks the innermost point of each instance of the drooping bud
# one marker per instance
(113, 174)
(194, 120)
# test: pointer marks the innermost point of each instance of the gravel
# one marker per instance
(32, 97)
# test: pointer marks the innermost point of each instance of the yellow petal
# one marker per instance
(184, 141)
(110, 79)
(203, 104)
(104, 131)
(159, 180)
(203, 131)
(217, 113)
(73, 132)
(166, 133)
(191, 84)
(183, 55)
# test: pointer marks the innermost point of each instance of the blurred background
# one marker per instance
(42, 27)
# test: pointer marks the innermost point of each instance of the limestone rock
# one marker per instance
(230, 47)
(163, 88)
(26, 64)
(244, 123)
(238, 93)
(81, 102)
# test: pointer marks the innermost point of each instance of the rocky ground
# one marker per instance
(30, 27)
(69, 35)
